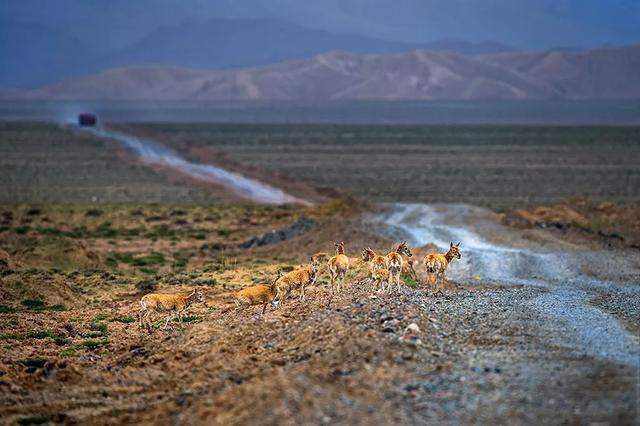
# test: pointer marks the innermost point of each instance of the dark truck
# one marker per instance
(86, 119)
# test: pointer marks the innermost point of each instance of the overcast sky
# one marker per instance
(523, 23)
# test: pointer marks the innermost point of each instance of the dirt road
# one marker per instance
(569, 276)
(151, 152)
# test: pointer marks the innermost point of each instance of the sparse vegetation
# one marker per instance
(410, 281)
(43, 334)
(34, 362)
(39, 305)
(5, 309)
(34, 420)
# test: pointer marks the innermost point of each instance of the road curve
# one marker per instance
(493, 253)
(152, 152)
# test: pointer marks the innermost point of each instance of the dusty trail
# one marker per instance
(496, 254)
(154, 153)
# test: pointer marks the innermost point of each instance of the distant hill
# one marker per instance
(39, 55)
(421, 74)
(232, 43)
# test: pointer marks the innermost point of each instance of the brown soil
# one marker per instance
(603, 223)
(478, 354)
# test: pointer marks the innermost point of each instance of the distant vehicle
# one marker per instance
(86, 119)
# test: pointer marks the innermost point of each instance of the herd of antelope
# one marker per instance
(383, 273)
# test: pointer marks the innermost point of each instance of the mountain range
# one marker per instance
(37, 54)
(419, 74)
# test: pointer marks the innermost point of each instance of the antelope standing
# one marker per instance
(338, 266)
(436, 264)
(377, 265)
(395, 263)
(172, 303)
(299, 278)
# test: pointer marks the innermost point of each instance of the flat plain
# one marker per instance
(496, 166)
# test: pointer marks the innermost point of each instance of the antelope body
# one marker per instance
(261, 294)
(338, 266)
(175, 304)
(299, 278)
(436, 264)
(377, 265)
(395, 263)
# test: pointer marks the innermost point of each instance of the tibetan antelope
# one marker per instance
(299, 278)
(261, 294)
(377, 265)
(175, 304)
(437, 263)
(338, 266)
(395, 263)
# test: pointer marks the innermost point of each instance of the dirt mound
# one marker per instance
(612, 223)
(7, 264)
(299, 227)
(59, 252)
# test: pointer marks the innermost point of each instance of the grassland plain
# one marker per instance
(496, 166)
(72, 351)
(41, 162)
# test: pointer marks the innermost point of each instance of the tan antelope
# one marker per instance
(338, 266)
(395, 263)
(300, 278)
(377, 265)
(175, 304)
(261, 294)
(436, 264)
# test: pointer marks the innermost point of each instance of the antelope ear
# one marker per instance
(458, 245)
(451, 244)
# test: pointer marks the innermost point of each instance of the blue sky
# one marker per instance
(533, 24)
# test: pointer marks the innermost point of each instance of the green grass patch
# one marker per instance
(34, 362)
(39, 305)
(67, 353)
(180, 263)
(34, 420)
(97, 329)
(33, 304)
(61, 341)
(11, 336)
(41, 334)
(162, 231)
(409, 282)
(151, 259)
(57, 307)
(100, 317)
(188, 318)
(223, 232)
(6, 309)
(21, 230)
